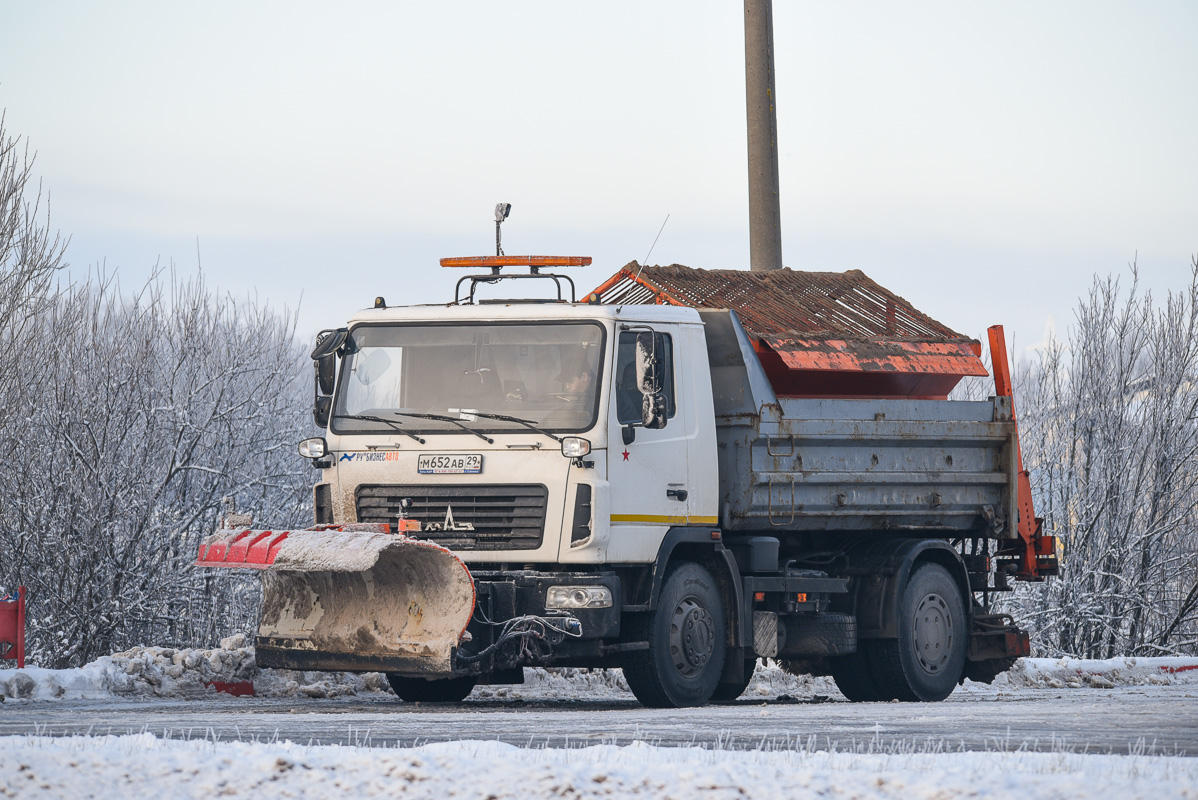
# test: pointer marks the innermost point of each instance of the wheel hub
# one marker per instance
(933, 633)
(692, 637)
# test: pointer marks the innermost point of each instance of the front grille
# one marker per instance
(465, 517)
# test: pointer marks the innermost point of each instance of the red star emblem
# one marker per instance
(625, 454)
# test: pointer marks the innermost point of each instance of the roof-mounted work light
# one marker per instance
(501, 212)
(497, 262)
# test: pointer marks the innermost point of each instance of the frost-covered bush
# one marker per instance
(127, 418)
(1109, 423)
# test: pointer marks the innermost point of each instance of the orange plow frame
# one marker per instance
(1034, 554)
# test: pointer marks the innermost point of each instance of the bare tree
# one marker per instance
(31, 254)
(1109, 424)
(30, 251)
(142, 412)
(127, 417)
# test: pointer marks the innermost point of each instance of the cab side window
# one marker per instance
(628, 397)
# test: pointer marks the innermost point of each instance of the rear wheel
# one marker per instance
(928, 657)
(726, 692)
(424, 690)
(686, 635)
(854, 677)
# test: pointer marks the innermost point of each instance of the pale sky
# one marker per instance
(982, 160)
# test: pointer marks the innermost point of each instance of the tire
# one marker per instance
(727, 692)
(855, 678)
(686, 633)
(816, 635)
(927, 659)
(424, 690)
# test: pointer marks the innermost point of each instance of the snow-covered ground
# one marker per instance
(156, 672)
(142, 765)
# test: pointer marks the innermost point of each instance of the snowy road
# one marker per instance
(1147, 719)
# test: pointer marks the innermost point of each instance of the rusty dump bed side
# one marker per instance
(879, 464)
(817, 334)
(870, 465)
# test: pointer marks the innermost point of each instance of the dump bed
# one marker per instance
(825, 464)
(831, 404)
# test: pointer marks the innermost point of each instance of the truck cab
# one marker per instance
(516, 431)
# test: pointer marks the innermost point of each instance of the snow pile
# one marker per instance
(561, 684)
(141, 766)
(168, 672)
(148, 672)
(769, 681)
(1075, 673)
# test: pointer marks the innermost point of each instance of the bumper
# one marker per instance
(516, 593)
(501, 596)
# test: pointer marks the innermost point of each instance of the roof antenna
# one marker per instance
(655, 238)
(501, 212)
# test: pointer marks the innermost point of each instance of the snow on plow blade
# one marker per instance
(352, 597)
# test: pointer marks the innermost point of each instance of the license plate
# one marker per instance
(449, 465)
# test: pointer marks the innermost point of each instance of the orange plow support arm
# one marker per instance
(1034, 554)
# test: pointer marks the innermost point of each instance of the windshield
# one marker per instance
(546, 374)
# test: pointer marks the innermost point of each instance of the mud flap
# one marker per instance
(352, 597)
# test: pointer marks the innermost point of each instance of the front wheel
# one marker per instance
(424, 690)
(686, 633)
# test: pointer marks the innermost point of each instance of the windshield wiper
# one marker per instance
(443, 418)
(528, 423)
(371, 418)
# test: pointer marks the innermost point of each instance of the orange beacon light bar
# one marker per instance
(517, 261)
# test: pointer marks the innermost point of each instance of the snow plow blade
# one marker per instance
(352, 598)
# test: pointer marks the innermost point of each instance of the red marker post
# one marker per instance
(12, 626)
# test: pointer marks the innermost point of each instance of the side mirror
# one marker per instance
(326, 373)
(650, 378)
(324, 363)
(653, 411)
(628, 434)
(649, 348)
(328, 342)
(321, 410)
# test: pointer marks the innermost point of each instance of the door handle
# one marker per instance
(676, 494)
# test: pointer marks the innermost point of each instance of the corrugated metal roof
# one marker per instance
(782, 303)
(821, 321)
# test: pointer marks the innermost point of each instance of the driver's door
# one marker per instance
(648, 474)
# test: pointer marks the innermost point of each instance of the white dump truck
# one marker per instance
(683, 472)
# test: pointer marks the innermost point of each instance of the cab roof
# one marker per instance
(505, 312)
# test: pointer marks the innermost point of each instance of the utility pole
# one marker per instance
(765, 214)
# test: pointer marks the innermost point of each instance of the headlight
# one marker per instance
(578, 597)
(574, 447)
(313, 448)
